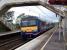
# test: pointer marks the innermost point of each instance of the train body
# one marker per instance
(31, 27)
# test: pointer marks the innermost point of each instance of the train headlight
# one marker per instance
(34, 30)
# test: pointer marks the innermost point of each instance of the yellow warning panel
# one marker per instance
(29, 29)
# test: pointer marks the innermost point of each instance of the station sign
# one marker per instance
(57, 2)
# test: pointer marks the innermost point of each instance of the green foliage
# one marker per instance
(2, 29)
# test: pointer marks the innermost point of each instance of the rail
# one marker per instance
(13, 41)
(39, 42)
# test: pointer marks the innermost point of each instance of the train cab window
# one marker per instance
(32, 22)
(24, 23)
(28, 23)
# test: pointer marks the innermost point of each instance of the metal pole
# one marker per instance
(59, 31)
(60, 28)
(63, 28)
(63, 32)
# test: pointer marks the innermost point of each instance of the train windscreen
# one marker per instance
(28, 23)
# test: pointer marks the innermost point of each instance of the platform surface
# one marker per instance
(10, 32)
(55, 43)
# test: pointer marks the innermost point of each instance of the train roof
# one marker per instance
(30, 18)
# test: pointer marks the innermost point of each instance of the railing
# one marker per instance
(38, 43)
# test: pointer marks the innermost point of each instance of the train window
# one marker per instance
(28, 23)
(32, 22)
(24, 23)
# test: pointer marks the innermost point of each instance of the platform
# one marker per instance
(10, 32)
(55, 43)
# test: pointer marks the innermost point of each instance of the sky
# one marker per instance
(39, 11)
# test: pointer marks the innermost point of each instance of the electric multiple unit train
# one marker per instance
(31, 27)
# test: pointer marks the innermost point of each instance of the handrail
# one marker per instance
(37, 43)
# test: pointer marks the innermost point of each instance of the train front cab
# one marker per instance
(30, 31)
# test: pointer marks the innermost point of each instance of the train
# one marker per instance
(32, 26)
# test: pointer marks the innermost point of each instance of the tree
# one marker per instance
(9, 16)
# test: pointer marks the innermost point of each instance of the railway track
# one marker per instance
(2, 40)
(11, 43)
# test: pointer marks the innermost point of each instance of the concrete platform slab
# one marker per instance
(55, 43)
(10, 32)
